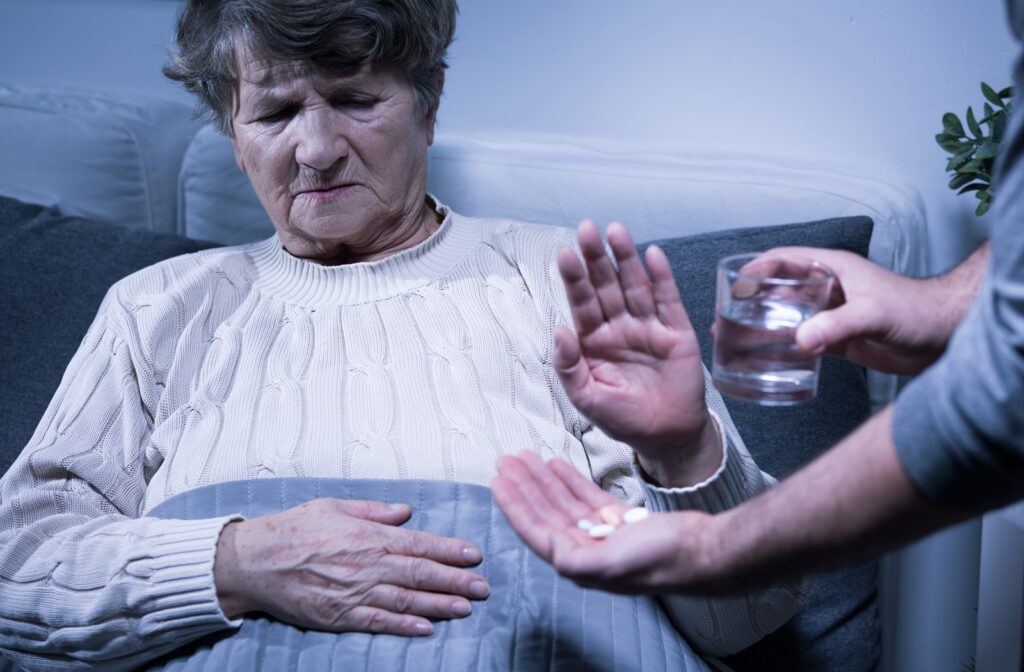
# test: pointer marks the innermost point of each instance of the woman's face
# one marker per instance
(339, 162)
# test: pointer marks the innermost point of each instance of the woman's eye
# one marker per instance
(357, 103)
(276, 116)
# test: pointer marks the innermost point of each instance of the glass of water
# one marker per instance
(759, 305)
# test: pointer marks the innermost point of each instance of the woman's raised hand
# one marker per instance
(633, 366)
(343, 565)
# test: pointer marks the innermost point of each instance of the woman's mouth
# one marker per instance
(327, 194)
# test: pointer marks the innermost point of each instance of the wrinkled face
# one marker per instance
(339, 162)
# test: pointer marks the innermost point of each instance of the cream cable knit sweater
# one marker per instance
(246, 362)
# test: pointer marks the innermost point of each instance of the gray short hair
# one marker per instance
(329, 35)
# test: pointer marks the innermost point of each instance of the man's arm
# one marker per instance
(851, 503)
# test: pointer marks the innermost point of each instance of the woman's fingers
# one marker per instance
(570, 365)
(378, 512)
(636, 286)
(583, 303)
(667, 301)
(416, 544)
(602, 273)
(402, 600)
(434, 577)
(599, 290)
(382, 622)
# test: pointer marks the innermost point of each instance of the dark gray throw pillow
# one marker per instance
(838, 628)
(54, 275)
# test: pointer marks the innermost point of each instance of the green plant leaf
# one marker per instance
(982, 208)
(972, 124)
(1007, 93)
(971, 187)
(983, 195)
(960, 180)
(958, 160)
(946, 138)
(987, 150)
(988, 114)
(991, 95)
(971, 166)
(998, 127)
(951, 124)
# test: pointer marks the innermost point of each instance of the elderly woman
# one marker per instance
(377, 335)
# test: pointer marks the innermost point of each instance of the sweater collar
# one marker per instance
(305, 282)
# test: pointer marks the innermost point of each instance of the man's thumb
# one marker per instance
(826, 331)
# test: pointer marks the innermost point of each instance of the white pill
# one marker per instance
(635, 515)
(584, 524)
(601, 531)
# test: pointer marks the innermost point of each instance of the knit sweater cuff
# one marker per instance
(178, 566)
(736, 480)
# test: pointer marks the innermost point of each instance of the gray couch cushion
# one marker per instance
(216, 201)
(56, 271)
(111, 158)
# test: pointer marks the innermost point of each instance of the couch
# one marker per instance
(94, 186)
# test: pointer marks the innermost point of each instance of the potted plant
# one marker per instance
(972, 150)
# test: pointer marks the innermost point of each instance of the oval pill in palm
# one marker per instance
(584, 524)
(610, 514)
(601, 531)
(636, 514)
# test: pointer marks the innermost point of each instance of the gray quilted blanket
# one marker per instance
(533, 619)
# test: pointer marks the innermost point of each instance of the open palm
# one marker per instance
(633, 366)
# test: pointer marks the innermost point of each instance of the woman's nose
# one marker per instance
(321, 141)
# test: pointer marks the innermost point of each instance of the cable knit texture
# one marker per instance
(246, 362)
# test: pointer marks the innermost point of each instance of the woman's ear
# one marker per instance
(432, 112)
(238, 153)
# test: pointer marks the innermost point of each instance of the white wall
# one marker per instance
(862, 82)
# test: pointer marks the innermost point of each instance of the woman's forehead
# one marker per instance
(280, 78)
(262, 70)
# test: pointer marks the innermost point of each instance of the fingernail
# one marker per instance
(398, 507)
(744, 288)
(462, 608)
(471, 554)
(422, 628)
(479, 589)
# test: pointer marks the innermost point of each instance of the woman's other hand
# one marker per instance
(633, 366)
(343, 565)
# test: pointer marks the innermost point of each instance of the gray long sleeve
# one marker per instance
(959, 427)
